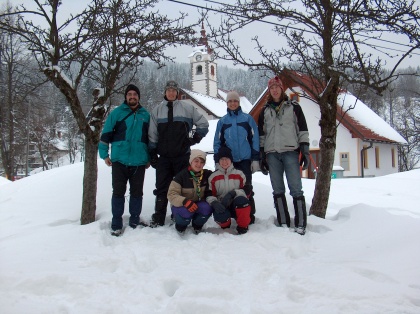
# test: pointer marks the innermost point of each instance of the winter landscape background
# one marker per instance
(363, 258)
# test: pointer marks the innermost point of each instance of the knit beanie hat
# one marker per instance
(224, 151)
(275, 81)
(232, 96)
(132, 87)
(171, 84)
(197, 153)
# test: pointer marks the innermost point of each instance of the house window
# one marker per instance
(294, 96)
(377, 156)
(344, 161)
(199, 70)
(365, 157)
(212, 70)
(183, 97)
(393, 157)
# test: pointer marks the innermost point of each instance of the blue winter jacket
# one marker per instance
(238, 131)
(129, 141)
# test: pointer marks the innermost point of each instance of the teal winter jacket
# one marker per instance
(129, 140)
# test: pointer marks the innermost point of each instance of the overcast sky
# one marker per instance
(263, 30)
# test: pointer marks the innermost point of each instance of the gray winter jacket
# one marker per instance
(282, 128)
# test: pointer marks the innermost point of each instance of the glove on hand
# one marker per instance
(263, 161)
(218, 207)
(190, 205)
(228, 198)
(153, 158)
(255, 166)
(195, 139)
(304, 158)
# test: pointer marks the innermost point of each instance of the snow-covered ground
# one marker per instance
(364, 258)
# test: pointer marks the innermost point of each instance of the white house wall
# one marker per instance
(347, 144)
(199, 85)
(312, 115)
(385, 159)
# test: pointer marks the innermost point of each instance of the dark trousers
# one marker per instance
(133, 174)
(120, 175)
(245, 167)
(166, 169)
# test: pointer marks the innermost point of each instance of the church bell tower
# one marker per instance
(203, 67)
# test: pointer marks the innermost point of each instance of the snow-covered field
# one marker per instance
(364, 258)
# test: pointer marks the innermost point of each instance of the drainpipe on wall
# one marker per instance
(362, 157)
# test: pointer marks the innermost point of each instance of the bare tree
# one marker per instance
(112, 39)
(327, 41)
(407, 123)
(15, 87)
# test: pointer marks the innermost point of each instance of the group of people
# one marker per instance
(163, 139)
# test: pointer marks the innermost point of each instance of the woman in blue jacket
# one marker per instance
(238, 131)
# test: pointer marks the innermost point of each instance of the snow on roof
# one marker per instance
(202, 49)
(372, 125)
(215, 105)
(59, 144)
(366, 122)
(263, 94)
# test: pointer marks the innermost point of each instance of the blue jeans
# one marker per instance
(280, 163)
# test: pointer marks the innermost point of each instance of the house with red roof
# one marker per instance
(366, 144)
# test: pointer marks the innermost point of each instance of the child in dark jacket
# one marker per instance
(229, 198)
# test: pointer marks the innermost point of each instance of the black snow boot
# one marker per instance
(241, 230)
(252, 204)
(282, 211)
(300, 214)
(117, 204)
(135, 206)
(158, 218)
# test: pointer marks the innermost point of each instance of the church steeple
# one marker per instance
(203, 39)
(203, 67)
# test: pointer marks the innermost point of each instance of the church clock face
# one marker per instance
(198, 57)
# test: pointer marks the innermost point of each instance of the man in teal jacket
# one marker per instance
(126, 129)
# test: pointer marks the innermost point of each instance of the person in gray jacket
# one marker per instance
(171, 123)
(283, 135)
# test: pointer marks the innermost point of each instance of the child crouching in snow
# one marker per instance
(186, 194)
(228, 197)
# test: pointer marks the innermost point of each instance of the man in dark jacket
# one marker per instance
(126, 129)
(171, 123)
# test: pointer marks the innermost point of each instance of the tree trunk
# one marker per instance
(90, 180)
(323, 180)
(327, 147)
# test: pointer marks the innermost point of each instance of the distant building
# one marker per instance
(205, 95)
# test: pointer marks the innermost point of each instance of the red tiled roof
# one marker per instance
(310, 87)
